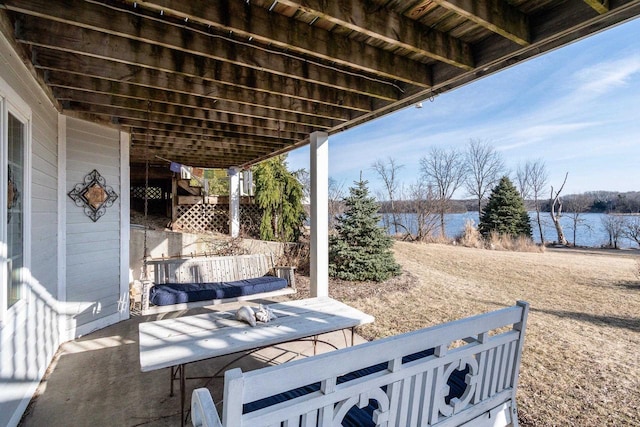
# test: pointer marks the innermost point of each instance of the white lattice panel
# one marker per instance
(209, 217)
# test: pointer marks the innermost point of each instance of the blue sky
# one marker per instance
(576, 108)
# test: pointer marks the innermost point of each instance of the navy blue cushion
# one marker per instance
(357, 417)
(177, 293)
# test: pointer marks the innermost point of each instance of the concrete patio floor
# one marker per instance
(96, 380)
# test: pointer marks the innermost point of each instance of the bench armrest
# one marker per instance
(203, 411)
(146, 289)
(287, 273)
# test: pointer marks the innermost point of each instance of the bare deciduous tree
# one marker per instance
(522, 180)
(304, 177)
(556, 211)
(336, 194)
(631, 229)
(444, 170)
(421, 212)
(614, 226)
(387, 172)
(484, 167)
(532, 178)
(575, 206)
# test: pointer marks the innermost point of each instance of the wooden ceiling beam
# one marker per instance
(191, 148)
(600, 6)
(7, 30)
(187, 154)
(83, 66)
(217, 162)
(497, 16)
(197, 146)
(72, 39)
(196, 132)
(179, 105)
(129, 106)
(140, 135)
(122, 110)
(139, 138)
(185, 41)
(390, 27)
(250, 21)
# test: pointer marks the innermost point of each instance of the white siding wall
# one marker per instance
(29, 331)
(74, 285)
(93, 248)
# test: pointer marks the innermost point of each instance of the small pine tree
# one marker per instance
(505, 212)
(361, 249)
(279, 194)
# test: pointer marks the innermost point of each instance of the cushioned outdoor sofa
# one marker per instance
(190, 282)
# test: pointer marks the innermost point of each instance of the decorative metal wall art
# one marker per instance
(94, 195)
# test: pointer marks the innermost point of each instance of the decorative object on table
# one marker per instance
(246, 314)
(94, 195)
(264, 314)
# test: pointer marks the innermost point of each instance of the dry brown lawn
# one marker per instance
(581, 359)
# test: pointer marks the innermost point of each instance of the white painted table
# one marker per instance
(172, 343)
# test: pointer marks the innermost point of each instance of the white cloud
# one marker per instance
(545, 132)
(607, 76)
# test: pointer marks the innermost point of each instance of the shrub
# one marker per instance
(361, 249)
(296, 255)
(505, 242)
(470, 237)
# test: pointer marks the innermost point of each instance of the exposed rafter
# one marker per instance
(495, 15)
(211, 117)
(600, 6)
(66, 85)
(219, 47)
(84, 72)
(139, 126)
(390, 27)
(252, 22)
(115, 105)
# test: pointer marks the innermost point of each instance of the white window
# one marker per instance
(15, 132)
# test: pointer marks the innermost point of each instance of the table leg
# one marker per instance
(172, 374)
(182, 394)
(353, 336)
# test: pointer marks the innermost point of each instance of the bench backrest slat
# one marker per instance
(211, 269)
(393, 347)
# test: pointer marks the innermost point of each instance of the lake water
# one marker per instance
(590, 231)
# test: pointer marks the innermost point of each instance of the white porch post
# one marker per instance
(63, 333)
(234, 201)
(319, 149)
(125, 235)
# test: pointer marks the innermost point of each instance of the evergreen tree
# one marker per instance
(505, 212)
(279, 195)
(361, 249)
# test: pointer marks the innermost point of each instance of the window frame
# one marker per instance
(12, 103)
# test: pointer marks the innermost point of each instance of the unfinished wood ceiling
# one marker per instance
(219, 83)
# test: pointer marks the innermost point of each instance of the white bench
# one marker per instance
(384, 383)
(213, 269)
